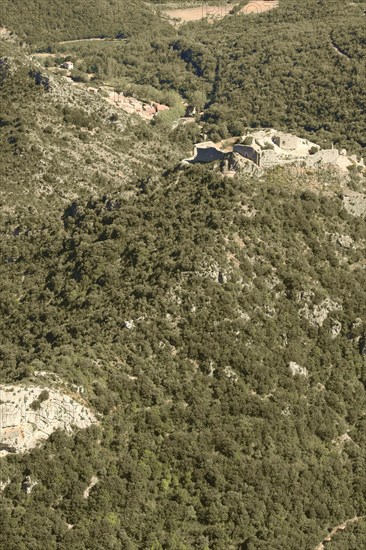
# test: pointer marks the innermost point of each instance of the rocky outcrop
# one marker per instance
(235, 163)
(355, 204)
(94, 480)
(28, 485)
(30, 414)
(316, 314)
(4, 484)
(231, 374)
(40, 79)
(295, 369)
(336, 329)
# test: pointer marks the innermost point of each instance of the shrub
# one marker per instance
(248, 140)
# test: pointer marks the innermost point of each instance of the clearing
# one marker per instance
(259, 6)
(183, 15)
(199, 12)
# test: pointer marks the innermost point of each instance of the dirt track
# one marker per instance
(93, 40)
(335, 530)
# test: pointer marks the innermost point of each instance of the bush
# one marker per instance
(248, 140)
(77, 117)
(43, 396)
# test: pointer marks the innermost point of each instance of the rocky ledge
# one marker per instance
(30, 414)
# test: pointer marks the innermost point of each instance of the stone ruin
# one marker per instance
(205, 152)
(268, 148)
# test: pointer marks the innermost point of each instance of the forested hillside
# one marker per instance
(283, 69)
(60, 141)
(299, 67)
(228, 284)
(41, 22)
(216, 325)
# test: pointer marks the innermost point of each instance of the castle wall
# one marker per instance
(248, 152)
(269, 158)
(288, 142)
(207, 154)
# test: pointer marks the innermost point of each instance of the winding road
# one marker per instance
(340, 527)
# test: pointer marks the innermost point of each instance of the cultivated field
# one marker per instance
(259, 6)
(183, 15)
(199, 12)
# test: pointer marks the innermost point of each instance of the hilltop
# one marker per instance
(268, 148)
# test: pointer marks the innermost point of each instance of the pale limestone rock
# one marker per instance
(345, 241)
(316, 314)
(243, 315)
(28, 485)
(342, 440)
(231, 374)
(297, 369)
(4, 484)
(26, 420)
(94, 480)
(355, 204)
(336, 329)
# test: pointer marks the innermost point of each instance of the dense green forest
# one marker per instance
(282, 69)
(40, 22)
(217, 324)
(212, 427)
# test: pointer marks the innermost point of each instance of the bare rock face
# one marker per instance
(94, 480)
(336, 329)
(345, 241)
(316, 314)
(297, 369)
(28, 485)
(4, 484)
(237, 163)
(231, 374)
(30, 414)
(355, 204)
